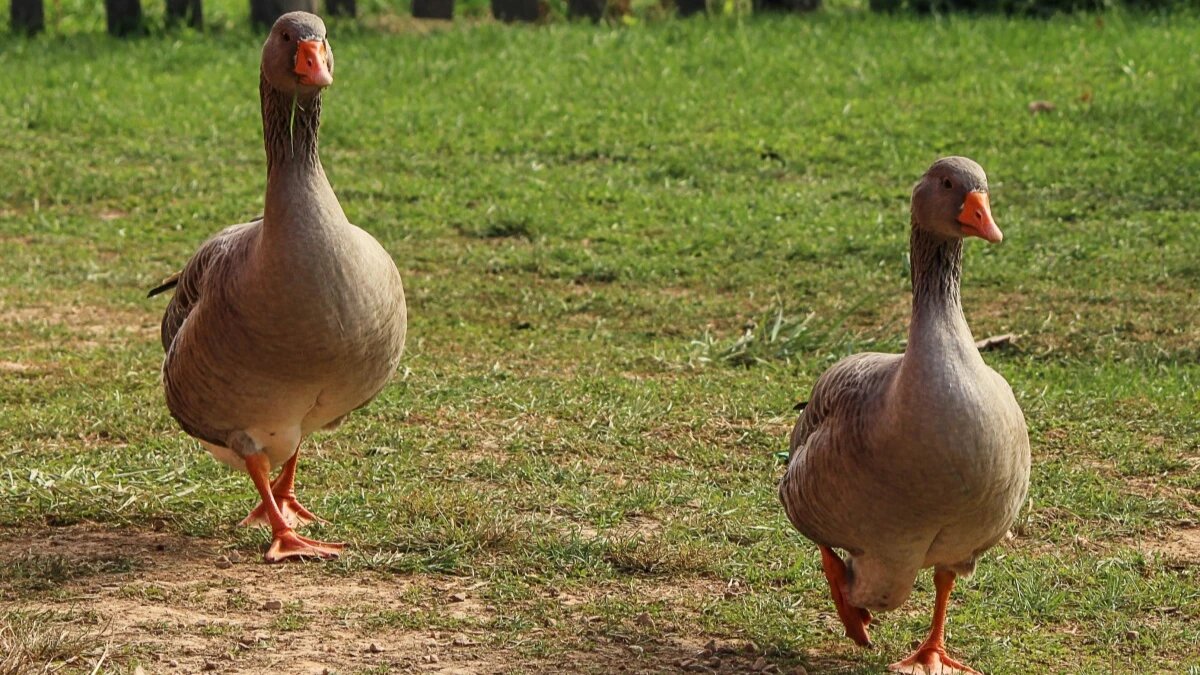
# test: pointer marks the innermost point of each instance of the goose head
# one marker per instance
(296, 58)
(951, 201)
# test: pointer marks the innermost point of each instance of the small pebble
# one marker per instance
(209, 665)
(273, 605)
(684, 663)
(644, 619)
(223, 563)
(173, 663)
(458, 597)
(799, 670)
(1132, 635)
(373, 649)
(234, 557)
(759, 664)
(714, 662)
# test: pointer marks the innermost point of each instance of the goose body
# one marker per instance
(278, 342)
(918, 459)
(285, 324)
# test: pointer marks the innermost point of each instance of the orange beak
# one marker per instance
(976, 218)
(312, 63)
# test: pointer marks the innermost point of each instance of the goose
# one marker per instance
(913, 460)
(285, 324)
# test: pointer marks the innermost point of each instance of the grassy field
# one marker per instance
(576, 467)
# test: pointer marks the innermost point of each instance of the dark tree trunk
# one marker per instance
(264, 12)
(190, 11)
(516, 10)
(342, 8)
(28, 16)
(690, 7)
(433, 9)
(124, 17)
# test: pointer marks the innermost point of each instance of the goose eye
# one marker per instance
(286, 37)
(947, 184)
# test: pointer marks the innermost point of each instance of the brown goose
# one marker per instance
(919, 459)
(283, 325)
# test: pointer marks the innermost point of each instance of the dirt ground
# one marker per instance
(179, 604)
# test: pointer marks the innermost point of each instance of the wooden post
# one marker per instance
(190, 11)
(264, 12)
(786, 5)
(516, 10)
(28, 16)
(342, 8)
(596, 10)
(124, 17)
(433, 9)
(586, 9)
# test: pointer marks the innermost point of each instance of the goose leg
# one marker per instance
(855, 619)
(931, 656)
(285, 543)
(283, 488)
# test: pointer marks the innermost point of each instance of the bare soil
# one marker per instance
(181, 608)
(1181, 546)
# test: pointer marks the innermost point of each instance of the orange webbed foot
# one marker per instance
(288, 544)
(855, 619)
(294, 513)
(931, 660)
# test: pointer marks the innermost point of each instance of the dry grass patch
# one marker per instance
(47, 641)
(87, 325)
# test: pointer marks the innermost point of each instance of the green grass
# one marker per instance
(586, 219)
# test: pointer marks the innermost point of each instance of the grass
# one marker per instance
(30, 640)
(588, 220)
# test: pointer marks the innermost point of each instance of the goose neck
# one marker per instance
(290, 127)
